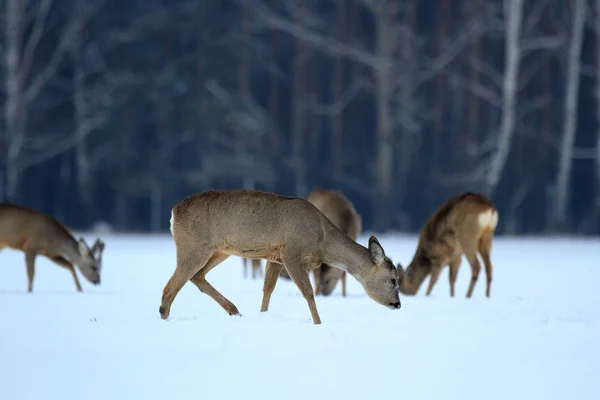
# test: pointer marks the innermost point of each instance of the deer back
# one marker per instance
(247, 223)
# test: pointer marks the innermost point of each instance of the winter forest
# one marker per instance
(115, 111)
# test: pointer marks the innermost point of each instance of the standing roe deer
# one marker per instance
(211, 226)
(36, 233)
(464, 224)
(340, 211)
(256, 268)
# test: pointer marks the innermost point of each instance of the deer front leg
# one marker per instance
(299, 275)
(272, 271)
(317, 277)
(344, 284)
(65, 264)
(30, 256)
(435, 274)
(453, 273)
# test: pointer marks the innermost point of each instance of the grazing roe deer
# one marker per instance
(36, 233)
(211, 226)
(340, 211)
(256, 268)
(464, 224)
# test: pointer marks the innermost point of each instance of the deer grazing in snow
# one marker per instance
(211, 226)
(340, 211)
(255, 265)
(36, 233)
(464, 224)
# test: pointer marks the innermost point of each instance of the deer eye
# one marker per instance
(394, 282)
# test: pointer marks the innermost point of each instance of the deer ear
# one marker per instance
(98, 247)
(377, 253)
(83, 247)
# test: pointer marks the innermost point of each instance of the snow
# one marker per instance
(535, 338)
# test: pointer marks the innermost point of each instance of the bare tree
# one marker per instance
(570, 117)
(520, 40)
(387, 62)
(513, 11)
(25, 80)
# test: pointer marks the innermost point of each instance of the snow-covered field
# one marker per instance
(537, 337)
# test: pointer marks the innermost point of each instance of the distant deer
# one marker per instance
(211, 226)
(36, 233)
(464, 224)
(256, 268)
(335, 206)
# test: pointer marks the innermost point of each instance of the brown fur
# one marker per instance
(36, 233)
(290, 232)
(340, 211)
(256, 267)
(452, 230)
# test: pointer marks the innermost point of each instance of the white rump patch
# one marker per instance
(171, 222)
(488, 219)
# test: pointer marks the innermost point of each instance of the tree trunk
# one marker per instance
(513, 11)
(274, 89)
(299, 110)
(570, 116)
(597, 203)
(81, 113)
(14, 96)
(337, 83)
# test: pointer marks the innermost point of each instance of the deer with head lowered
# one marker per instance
(464, 224)
(36, 233)
(340, 211)
(210, 226)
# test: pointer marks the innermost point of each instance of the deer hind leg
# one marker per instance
(471, 254)
(187, 266)
(485, 248)
(30, 256)
(272, 271)
(453, 273)
(65, 264)
(199, 279)
(299, 274)
(435, 274)
(343, 278)
(244, 260)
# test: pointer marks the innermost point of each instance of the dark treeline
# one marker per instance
(115, 111)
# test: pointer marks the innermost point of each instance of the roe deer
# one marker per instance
(211, 226)
(340, 211)
(464, 224)
(36, 233)
(256, 268)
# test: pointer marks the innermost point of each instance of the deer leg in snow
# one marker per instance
(30, 256)
(435, 274)
(272, 271)
(453, 274)
(187, 266)
(199, 279)
(65, 264)
(299, 275)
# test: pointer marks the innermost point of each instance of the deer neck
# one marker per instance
(345, 254)
(69, 250)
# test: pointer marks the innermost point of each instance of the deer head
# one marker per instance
(90, 262)
(381, 281)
